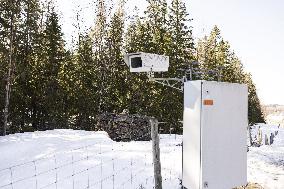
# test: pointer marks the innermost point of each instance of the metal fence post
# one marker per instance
(156, 153)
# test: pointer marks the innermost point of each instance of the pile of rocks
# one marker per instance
(125, 127)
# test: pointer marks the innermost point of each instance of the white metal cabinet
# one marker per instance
(214, 135)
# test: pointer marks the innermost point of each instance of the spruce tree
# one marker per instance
(9, 27)
(25, 119)
(214, 52)
(156, 23)
(181, 52)
(117, 71)
(54, 55)
(182, 46)
(83, 86)
(161, 32)
(98, 35)
(255, 113)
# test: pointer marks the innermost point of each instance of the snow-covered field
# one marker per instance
(67, 159)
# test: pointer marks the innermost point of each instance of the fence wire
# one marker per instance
(103, 169)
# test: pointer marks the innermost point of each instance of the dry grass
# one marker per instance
(251, 186)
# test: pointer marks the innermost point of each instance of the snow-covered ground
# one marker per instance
(266, 163)
(49, 159)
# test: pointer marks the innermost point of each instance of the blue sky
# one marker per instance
(254, 28)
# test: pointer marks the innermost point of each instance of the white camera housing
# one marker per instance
(146, 62)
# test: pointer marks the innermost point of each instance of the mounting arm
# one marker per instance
(176, 83)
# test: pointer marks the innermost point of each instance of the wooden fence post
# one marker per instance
(156, 153)
(259, 137)
(271, 139)
(265, 140)
(250, 137)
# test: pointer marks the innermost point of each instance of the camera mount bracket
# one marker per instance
(176, 83)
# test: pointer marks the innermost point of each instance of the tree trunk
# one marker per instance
(9, 78)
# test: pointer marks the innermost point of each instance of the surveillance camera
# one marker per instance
(146, 62)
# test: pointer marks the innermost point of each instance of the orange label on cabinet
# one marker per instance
(208, 102)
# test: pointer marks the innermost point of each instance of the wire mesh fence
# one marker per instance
(97, 165)
(102, 165)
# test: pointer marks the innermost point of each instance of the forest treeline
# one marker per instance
(49, 84)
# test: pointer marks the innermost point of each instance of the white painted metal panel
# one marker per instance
(224, 124)
(214, 143)
(191, 135)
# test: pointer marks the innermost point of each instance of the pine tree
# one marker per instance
(161, 32)
(53, 57)
(9, 25)
(156, 23)
(83, 85)
(117, 72)
(138, 38)
(207, 53)
(181, 52)
(182, 46)
(255, 113)
(98, 35)
(214, 52)
(25, 118)
(44, 85)
(143, 36)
